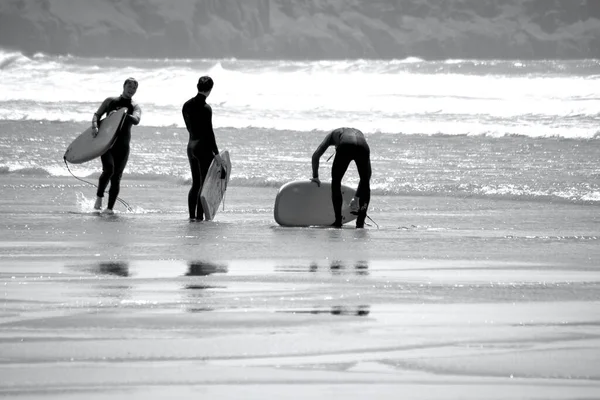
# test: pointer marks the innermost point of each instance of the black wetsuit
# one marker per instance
(115, 159)
(351, 145)
(201, 149)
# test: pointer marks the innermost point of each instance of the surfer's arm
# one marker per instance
(212, 141)
(317, 155)
(136, 116)
(186, 118)
(98, 114)
(94, 125)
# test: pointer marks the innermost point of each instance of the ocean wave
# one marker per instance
(27, 171)
(10, 60)
(410, 96)
(585, 128)
(497, 67)
(573, 238)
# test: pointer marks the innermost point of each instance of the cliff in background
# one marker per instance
(304, 29)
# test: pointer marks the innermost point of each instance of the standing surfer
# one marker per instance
(115, 159)
(350, 145)
(202, 145)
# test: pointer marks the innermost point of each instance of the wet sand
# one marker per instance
(277, 329)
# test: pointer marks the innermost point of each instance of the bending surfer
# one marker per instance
(202, 145)
(350, 145)
(115, 159)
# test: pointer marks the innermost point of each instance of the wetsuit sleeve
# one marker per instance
(101, 111)
(136, 116)
(318, 153)
(186, 117)
(213, 141)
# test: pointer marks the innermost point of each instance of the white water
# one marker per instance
(455, 97)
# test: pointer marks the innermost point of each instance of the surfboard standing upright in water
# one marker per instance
(215, 185)
(350, 144)
(115, 159)
(202, 146)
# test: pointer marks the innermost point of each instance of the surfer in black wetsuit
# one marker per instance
(202, 146)
(115, 159)
(350, 145)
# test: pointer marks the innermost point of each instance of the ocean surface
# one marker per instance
(523, 130)
(477, 275)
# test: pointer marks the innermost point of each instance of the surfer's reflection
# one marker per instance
(118, 268)
(358, 311)
(336, 267)
(113, 289)
(197, 294)
(360, 268)
(204, 268)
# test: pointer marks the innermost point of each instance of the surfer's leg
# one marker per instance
(338, 169)
(108, 168)
(121, 158)
(204, 162)
(194, 193)
(363, 192)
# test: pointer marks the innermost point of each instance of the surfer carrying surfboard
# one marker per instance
(202, 145)
(115, 159)
(350, 145)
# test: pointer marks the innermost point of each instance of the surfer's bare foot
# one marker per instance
(98, 204)
(108, 211)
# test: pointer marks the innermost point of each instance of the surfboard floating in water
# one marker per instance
(303, 203)
(86, 147)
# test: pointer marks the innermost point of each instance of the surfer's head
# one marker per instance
(129, 87)
(205, 84)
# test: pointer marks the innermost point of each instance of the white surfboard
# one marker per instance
(303, 203)
(86, 147)
(215, 185)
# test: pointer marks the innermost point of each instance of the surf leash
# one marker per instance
(223, 187)
(125, 204)
(330, 157)
(371, 219)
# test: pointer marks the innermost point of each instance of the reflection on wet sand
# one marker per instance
(113, 289)
(360, 268)
(115, 268)
(118, 268)
(358, 311)
(196, 292)
(204, 268)
(336, 267)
